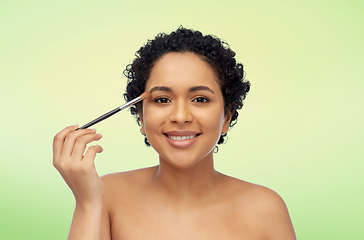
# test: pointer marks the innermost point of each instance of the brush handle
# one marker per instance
(99, 119)
(112, 112)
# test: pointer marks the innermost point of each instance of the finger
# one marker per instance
(91, 153)
(59, 138)
(71, 138)
(81, 143)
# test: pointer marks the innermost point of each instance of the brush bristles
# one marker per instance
(145, 95)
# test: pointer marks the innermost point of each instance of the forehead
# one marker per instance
(182, 70)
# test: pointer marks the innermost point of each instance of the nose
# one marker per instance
(180, 113)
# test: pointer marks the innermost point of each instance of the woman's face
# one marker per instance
(184, 118)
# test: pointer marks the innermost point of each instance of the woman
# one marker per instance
(197, 88)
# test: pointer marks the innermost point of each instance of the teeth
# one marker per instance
(181, 138)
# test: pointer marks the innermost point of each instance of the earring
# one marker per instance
(216, 149)
(146, 141)
(145, 138)
(142, 132)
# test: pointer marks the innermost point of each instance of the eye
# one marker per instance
(201, 100)
(162, 100)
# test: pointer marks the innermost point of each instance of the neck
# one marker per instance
(187, 185)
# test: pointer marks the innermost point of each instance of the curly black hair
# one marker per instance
(210, 48)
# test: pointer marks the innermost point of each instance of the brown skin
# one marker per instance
(183, 197)
(233, 209)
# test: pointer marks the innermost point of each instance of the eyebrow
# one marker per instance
(192, 89)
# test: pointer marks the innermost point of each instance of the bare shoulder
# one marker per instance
(126, 182)
(263, 208)
(260, 197)
(122, 191)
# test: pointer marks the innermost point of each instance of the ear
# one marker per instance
(225, 127)
(141, 122)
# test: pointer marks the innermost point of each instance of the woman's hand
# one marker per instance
(78, 169)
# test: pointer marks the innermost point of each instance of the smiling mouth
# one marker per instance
(182, 138)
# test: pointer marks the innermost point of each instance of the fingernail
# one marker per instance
(76, 125)
(93, 129)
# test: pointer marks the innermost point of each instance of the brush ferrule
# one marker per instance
(128, 104)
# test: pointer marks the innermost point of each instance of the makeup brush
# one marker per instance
(112, 112)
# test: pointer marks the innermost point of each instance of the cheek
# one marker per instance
(212, 119)
(153, 118)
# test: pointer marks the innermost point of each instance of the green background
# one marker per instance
(299, 133)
